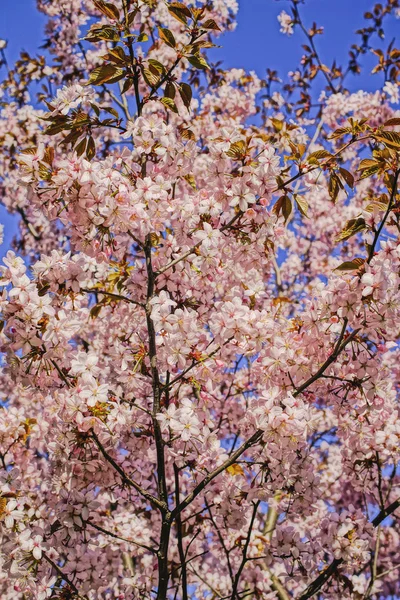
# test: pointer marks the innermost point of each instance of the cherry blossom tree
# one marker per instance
(200, 314)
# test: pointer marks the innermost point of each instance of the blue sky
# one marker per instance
(254, 45)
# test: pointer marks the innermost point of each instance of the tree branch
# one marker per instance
(245, 549)
(64, 577)
(182, 555)
(382, 224)
(112, 295)
(125, 478)
(339, 347)
(123, 539)
(200, 487)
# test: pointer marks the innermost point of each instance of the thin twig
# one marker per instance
(125, 478)
(112, 295)
(244, 555)
(64, 577)
(123, 539)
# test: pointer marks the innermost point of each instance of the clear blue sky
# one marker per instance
(254, 45)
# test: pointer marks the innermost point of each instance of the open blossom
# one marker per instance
(12, 513)
(45, 588)
(70, 97)
(94, 393)
(240, 195)
(85, 365)
(286, 23)
(207, 236)
(182, 421)
(393, 91)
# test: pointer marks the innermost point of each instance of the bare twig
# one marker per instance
(119, 537)
(125, 478)
(64, 577)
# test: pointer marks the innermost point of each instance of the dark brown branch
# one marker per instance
(182, 555)
(200, 487)
(162, 554)
(125, 478)
(221, 541)
(119, 537)
(339, 347)
(382, 224)
(64, 577)
(112, 295)
(314, 49)
(245, 549)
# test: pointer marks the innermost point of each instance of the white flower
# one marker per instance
(392, 90)
(241, 196)
(207, 236)
(368, 280)
(286, 23)
(12, 513)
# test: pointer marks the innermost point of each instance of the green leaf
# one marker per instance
(185, 92)
(81, 147)
(72, 137)
(352, 227)
(167, 36)
(119, 54)
(95, 310)
(340, 132)
(170, 90)
(150, 78)
(367, 162)
(210, 24)
(96, 109)
(108, 9)
(95, 34)
(389, 138)
(375, 206)
(128, 83)
(143, 37)
(191, 181)
(351, 265)
(111, 110)
(44, 289)
(287, 207)
(104, 74)
(392, 122)
(187, 134)
(347, 176)
(169, 103)
(198, 62)
(132, 15)
(237, 150)
(318, 154)
(90, 149)
(334, 187)
(369, 167)
(370, 171)
(157, 65)
(302, 205)
(57, 128)
(180, 12)
(283, 205)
